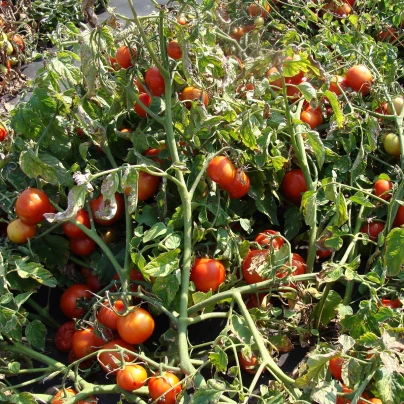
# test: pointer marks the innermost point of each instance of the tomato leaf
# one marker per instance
(14, 367)
(308, 91)
(341, 215)
(309, 206)
(249, 131)
(148, 215)
(219, 359)
(162, 265)
(206, 395)
(129, 179)
(22, 398)
(338, 114)
(35, 271)
(240, 329)
(52, 250)
(35, 333)
(328, 311)
(393, 257)
(360, 199)
(325, 393)
(166, 288)
(318, 147)
(157, 230)
(293, 222)
(315, 368)
(389, 386)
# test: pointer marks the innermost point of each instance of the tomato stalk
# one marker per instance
(43, 313)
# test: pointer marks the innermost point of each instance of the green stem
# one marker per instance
(43, 312)
(207, 316)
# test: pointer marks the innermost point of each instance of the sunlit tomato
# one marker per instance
(292, 91)
(207, 274)
(86, 342)
(108, 317)
(340, 10)
(97, 204)
(398, 103)
(162, 386)
(153, 154)
(393, 304)
(335, 82)
(256, 10)
(313, 117)
(240, 186)
(82, 246)
(70, 299)
(324, 253)
(276, 82)
(222, 171)
(3, 132)
(19, 232)
(237, 33)
(174, 50)
(19, 41)
(266, 237)
(146, 187)
(62, 395)
(71, 230)
(250, 365)
(253, 260)
(382, 188)
(146, 101)
(31, 205)
(242, 89)
(391, 143)
(399, 219)
(375, 400)
(335, 366)
(64, 336)
(294, 185)
(135, 327)
(193, 93)
(155, 81)
(359, 78)
(389, 34)
(259, 22)
(298, 263)
(182, 20)
(123, 56)
(131, 377)
(372, 229)
(110, 361)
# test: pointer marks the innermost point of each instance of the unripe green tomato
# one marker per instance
(10, 48)
(3, 69)
(391, 143)
(13, 61)
(259, 22)
(398, 103)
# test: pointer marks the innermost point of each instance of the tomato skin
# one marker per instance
(135, 327)
(293, 92)
(335, 366)
(389, 34)
(86, 342)
(155, 81)
(106, 359)
(31, 205)
(71, 230)
(255, 10)
(372, 229)
(3, 132)
(174, 50)
(123, 56)
(162, 385)
(398, 103)
(375, 400)
(207, 274)
(382, 188)
(391, 143)
(399, 219)
(222, 171)
(96, 204)
(248, 365)
(68, 300)
(131, 377)
(146, 100)
(393, 304)
(93, 283)
(181, 20)
(277, 82)
(147, 186)
(359, 78)
(335, 81)
(293, 185)
(64, 336)
(62, 395)
(82, 246)
(249, 273)
(313, 117)
(264, 240)
(19, 232)
(345, 390)
(324, 253)
(106, 316)
(192, 93)
(240, 185)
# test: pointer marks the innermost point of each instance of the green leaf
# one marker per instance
(166, 288)
(342, 213)
(157, 230)
(360, 199)
(23, 398)
(162, 265)
(52, 250)
(22, 298)
(206, 395)
(308, 91)
(317, 145)
(389, 386)
(293, 222)
(309, 207)
(219, 359)
(147, 215)
(317, 367)
(268, 207)
(368, 339)
(393, 257)
(328, 311)
(36, 333)
(240, 329)
(14, 367)
(338, 113)
(35, 271)
(325, 393)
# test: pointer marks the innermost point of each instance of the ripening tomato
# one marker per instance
(147, 186)
(153, 154)
(71, 230)
(182, 20)
(266, 237)
(174, 50)
(162, 386)
(340, 10)
(256, 10)
(393, 304)
(19, 232)
(292, 91)
(97, 204)
(135, 327)
(391, 143)
(222, 171)
(237, 33)
(335, 366)
(31, 205)
(110, 361)
(131, 377)
(193, 93)
(388, 34)
(294, 185)
(382, 189)
(62, 395)
(113, 63)
(124, 56)
(250, 365)
(253, 260)
(207, 274)
(19, 41)
(399, 219)
(359, 78)
(383, 108)
(275, 82)
(372, 229)
(82, 246)
(243, 88)
(155, 81)
(240, 186)
(146, 101)
(70, 298)
(64, 336)
(108, 317)
(337, 85)
(86, 342)
(3, 132)
(313, 117)
(398, 103)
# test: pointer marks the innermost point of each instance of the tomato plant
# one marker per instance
(391, 143)
(266, 237)
(359, 78)
(109, 316)
(192, 93)
(372, 229)
(61, 396)
(382, 189)
(82, 246)
(124, 56)
(249, 364)
(155, 81)
(98, 205)
(146, 101)
(174, 50)
(335, 366)
(253, 260)
(3, 132)
(86, 342)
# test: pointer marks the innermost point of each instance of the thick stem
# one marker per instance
(43, 313)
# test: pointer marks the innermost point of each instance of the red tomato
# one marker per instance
(69, 300)
(193, 93)
(131, 377)
(264, 240)
(113, 63)
(253, 260)
(393, 304)
(240, 185)
(174, 50)
(155, 81)
(64, 336)
(3, 132)
(250, 365)
(222, 171)
(375, 400)
(96, 204)
(152, 153)
(300, 266)
(163, 386)
(146, 100)
(110, 361)
(61, 396)
(324, 253)
(207, 274)
(108, 317)
(294, 185)
(399, 219)
(292, 91)
(146, 187)
(71, 230)
(382, 188)
(139, 85)
(93, 283)
(135, 327)
(313, 117)
(82, 246)
(256, 10)
(372, 229)
(341, 400)
(335, 366)
(359, 78)
(123, 56)
(383, 108)
(339, 10)
(19, 232)
(31, 205)
(86, 342)
(335, 81)
(389, 34)
(182, 20)
(274, 82)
